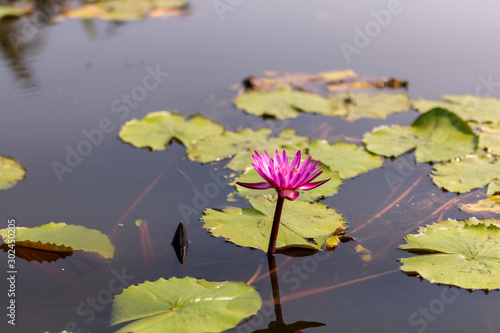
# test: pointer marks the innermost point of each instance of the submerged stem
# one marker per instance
(276, 225)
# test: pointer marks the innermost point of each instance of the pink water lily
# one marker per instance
(287, 178)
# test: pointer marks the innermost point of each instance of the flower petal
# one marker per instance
(310, 186)
(296, 161)
(256, 186)
(289, 194)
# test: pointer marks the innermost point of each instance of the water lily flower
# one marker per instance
(284, 176)
(287, 178)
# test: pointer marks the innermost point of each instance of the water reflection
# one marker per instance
(279, 325)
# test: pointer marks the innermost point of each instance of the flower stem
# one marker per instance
(276, 225)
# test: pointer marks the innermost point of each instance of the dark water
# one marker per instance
(69, 76)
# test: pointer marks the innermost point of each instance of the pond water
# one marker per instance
(68, 76)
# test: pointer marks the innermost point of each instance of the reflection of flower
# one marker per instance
(284, 176)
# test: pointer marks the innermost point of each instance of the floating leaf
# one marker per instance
(303, 225)
(241, 146)
(468, 107)
(488, 205)
(437, 135)
(468, 173)
(371, 105)
(184, 305)
(11, 171)
(328, 189)
(157, 129)
(61, 237)
(127, 10)
(283, 104)
(348, 159)
(465, 254)
(489, 139)
(335, 75)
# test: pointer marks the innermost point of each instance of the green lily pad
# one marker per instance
(283, 104)
(468, 173)
(468, 107)
(184, 305)
(11, 171)
(241, 146)
(61, 237)
(348, 159)
(303, 225)
(127, 10)
(328, 189)
(465, 254)
(157, 130)
(437, 135)
(371, 105)
(489, 139)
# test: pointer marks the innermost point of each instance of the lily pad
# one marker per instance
(283, 104)
(437, 135)
(184, 305)
(328, 189)
(378, 105)
(348, 159)
(157, 130)
(468, 107)
(465, 254)
(303, 225)
(468, 173)
(61, 237)
(489, 139)
(127, 10)
(11, 171)
(241, 146)
(483, 206)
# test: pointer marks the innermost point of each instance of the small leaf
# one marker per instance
(157, 129)
(303, 225)
(468, 173)
(437, 135)
(348, 159)
(61, 237)
(483, 206)
(11, 11)
(11, 171)
(461, 253)
(184, 305)
(283, 104)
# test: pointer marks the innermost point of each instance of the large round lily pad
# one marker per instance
(157, 129)
(348, 159)
(468, 107)
(380, 105)
(303, 225)
(11, 171)
(468, 173)
(461, 253)
(284, 104)
(61, 237)
(437, 135)
(184, 305)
